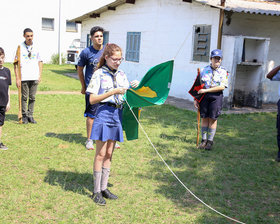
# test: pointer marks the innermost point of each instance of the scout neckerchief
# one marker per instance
(114, 78)
(29, 50)
(212, 77)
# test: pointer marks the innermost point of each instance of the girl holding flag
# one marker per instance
(107, 87)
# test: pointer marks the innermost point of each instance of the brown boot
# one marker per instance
(202, 144)
(209, 145)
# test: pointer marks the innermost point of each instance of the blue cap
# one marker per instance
(216, 53)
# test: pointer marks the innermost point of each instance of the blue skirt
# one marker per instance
(107, 124)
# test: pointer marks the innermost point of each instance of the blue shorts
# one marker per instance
(211, 105)
(107, 124)
(90, 110)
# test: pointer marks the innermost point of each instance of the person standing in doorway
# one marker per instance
(274, 75)
(31, 73)
(215, 79)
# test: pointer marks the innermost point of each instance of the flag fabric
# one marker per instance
(152, 90)
(197, 85)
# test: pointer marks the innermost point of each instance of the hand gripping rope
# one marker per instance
(176, 175)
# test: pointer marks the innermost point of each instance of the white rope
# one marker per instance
(176, 175)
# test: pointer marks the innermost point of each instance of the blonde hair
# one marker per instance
(109, 50)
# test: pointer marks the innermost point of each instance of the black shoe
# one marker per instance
(3, 147)
(98, 199)
(209, 145)
(107, 194)
(31, 120)
(24, 120)
(202, 144)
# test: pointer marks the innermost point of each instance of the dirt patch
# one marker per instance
(188, 105)
(183, 103)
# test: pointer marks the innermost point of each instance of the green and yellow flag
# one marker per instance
(152, 90)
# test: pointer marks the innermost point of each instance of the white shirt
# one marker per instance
(29, 65)
(102, 82)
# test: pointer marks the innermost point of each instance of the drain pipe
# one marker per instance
(221, 20)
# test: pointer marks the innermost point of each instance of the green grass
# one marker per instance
(46, 175)
(53, 78)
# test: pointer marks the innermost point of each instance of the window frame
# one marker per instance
(48, 28)
(201, 40)
(70, 28)
(133, 43)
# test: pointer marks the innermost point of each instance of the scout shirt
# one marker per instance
(276, 77)
(104, 80)
(214, 77)
(29, 62)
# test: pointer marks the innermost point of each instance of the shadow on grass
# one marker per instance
(76, 138)
(11, 117)
(70, 181)
(67, 72)
(62, 72)
(237, 174)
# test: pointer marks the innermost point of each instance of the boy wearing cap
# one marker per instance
(215, 80)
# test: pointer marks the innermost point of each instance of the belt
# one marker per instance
(112, 104)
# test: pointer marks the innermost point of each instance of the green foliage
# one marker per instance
(55, 59)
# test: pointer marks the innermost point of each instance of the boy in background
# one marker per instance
(5, 82)
(274, 75)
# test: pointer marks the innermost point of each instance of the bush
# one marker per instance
(55, 59)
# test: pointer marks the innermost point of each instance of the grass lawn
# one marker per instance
(46, 175)
(53, 78)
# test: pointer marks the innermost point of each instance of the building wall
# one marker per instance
(16, 15)
(166, 28)
(260, 26)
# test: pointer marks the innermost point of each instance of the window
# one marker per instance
(71, 27)
(47, 24)
(89, 42)
(105, 38)
(201, 45)
(133, 46)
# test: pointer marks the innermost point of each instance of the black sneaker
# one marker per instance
(3, 147)
(202, 144)
(24, 120)
(31, 120)
(98, 199)
(107, 194)
(209, 145)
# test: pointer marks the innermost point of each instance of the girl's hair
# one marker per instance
(109, 50)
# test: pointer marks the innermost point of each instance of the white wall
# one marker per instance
(16, 15)
(260, 26)
(166, 28)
